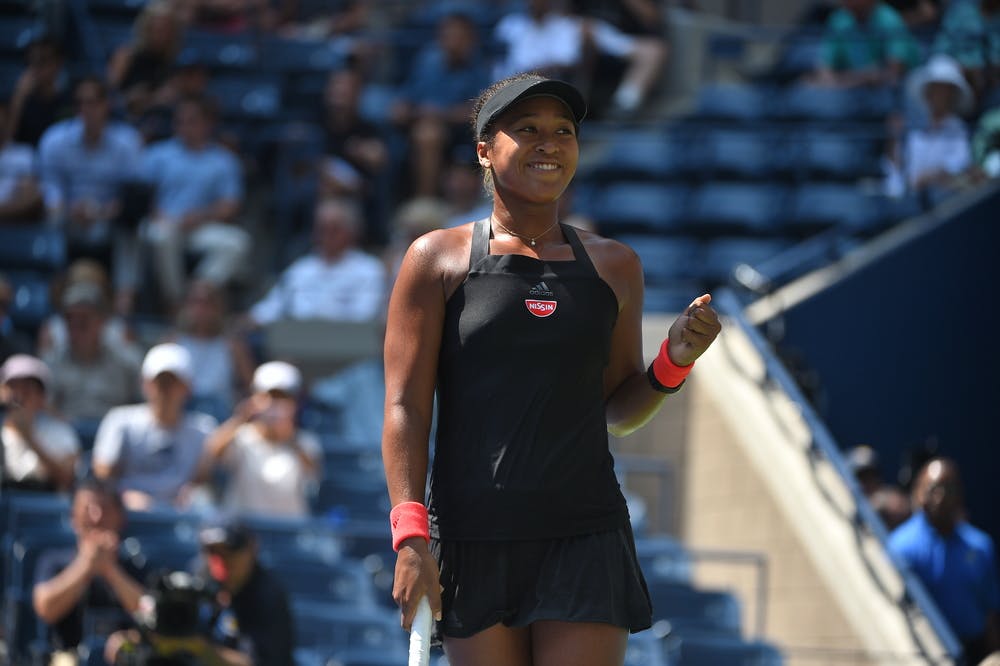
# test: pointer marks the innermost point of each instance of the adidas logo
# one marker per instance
(541, 289)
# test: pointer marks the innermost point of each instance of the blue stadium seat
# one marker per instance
(719, 208)
(340, 627)
(664, 260)
(817, 206)
(630, 154)
(645, 649)
(716, 650)
(345, 503)
(808, 102)
(690, 611)
(743, 154)
(664, 558)
(721, 255)
(247, 97)
(342, 582)
(740, 102)
(838, 155)
(292, 56)
(630, 206)
(220, 52)
(31, 299)
(33, 248)
(671, 298)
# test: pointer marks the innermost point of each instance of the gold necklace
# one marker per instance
(531, 239)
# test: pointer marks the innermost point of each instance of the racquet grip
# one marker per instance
(420, 635)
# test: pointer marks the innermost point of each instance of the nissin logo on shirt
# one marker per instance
(540, 308)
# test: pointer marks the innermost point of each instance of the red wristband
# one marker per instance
(667, 374)
(408, 519)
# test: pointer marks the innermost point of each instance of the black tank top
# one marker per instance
(522, 443)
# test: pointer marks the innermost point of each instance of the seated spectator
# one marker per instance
(152, 450)
(643, 20)
(12, 341)
(955, 561)
(269, 460)
(935, 159)
(337, 281)
(436, 99)
(256, 598)
(986, 143)
(198, 193)
(85, 161)
(356, 154)
(141, 70)
(40, 452)
(53, 335)
(92, 588)
(224, 362)
(553, 42)
(866, 43)
(463, 188)
(20, 193)
(970, 33)
(412, 220)
(41, 96)
(889, 502)
(88, 376)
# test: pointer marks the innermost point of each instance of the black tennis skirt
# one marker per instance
(585, 578)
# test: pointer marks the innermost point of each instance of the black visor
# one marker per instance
(515, 91)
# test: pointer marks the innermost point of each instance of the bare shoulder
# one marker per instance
(442, 254)
(617, 264)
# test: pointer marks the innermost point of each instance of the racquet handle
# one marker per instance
(420, 635)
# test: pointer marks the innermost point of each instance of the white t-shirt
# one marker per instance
(945, 147)
(148, 457)
(17, 164)
(349, 289)
(554, 41)
(58, 440)
(268, 477)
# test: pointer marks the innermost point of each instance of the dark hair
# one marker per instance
(102, 487)
(489, 130)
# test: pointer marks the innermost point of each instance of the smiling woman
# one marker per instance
(529, 331)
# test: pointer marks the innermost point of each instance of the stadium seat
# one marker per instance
(743, 154)
(345, 581)
(635, 154)
(247, 97)
(690, 611)
(720, 208)
(33, 248)
(294, 56)
(664, 558)
(664, 260)
(219, 52)
(715, 650)
(721, 255)
(809, 102)
(344, 503)
(631, 206)
(340, 627)
(740, 102)
(31, 300)
(671, 298)
(838, 155)
(817, 206)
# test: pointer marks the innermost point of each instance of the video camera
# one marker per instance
(179, 605)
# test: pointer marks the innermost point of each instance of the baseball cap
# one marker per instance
(520, 89)
(24, 366)
(226, 531)
(168, 357)
(277, 376)
(83, 293)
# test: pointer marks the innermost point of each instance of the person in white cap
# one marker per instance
(39, 451)
(269, 459)
(152, 450)
(938, 155)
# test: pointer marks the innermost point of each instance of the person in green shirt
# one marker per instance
(970, 33)
(866, 43)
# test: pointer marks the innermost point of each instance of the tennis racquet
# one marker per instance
(420, 635)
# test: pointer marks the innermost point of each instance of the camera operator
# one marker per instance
(90, 590)
(180, 623)
(255, 597)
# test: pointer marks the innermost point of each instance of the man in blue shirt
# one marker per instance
(84, 162)
(953, 559)
(435, 102)
(198, 193)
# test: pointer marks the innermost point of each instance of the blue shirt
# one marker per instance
(73, 171)
(433, 82)
(188, 180)
(959, 571)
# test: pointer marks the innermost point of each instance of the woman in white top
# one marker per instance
(39, 451)
(270, 461)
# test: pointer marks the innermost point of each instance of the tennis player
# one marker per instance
(530, 332)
